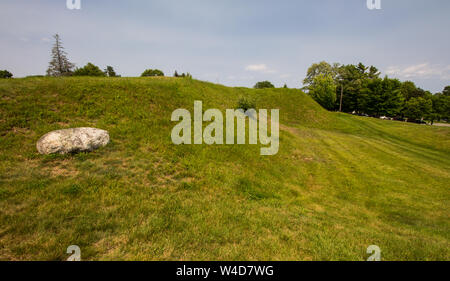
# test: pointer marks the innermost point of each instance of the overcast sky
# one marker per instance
(232, 42)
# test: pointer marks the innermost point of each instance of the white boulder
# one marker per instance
(72, 140)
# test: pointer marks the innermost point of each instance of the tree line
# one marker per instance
(61, 66)
(356, 89)
(360, 90)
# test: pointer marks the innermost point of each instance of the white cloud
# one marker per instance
(423, 70)
(259, 68)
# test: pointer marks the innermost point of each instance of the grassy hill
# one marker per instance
(338, 184)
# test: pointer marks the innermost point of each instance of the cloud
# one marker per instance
(423, 70)
(259, 68)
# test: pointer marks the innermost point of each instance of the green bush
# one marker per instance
(5, 74)
(89, 70)
(246, 104)
(152, 72)
(263, 84)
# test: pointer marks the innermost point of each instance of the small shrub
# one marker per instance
(246, 104)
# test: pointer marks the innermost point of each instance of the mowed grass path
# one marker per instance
(338, 184)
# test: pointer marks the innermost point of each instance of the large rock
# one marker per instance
(72, 140)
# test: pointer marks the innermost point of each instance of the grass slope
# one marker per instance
(338, 184)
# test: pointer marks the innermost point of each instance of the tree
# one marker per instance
(417, 108)
(187, 75)
(361, 68)
(5, 74)
(323, 91)
(409, 90)
(381, 97)
(59, 65)
(373, 72)
(152, 72)
(350, 80)
(285, 86)
(446, 91)
(109, 71)
(89, 70)
(321, 68)
(263, 84)
(441, 105)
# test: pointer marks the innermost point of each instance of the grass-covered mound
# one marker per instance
(338, 184)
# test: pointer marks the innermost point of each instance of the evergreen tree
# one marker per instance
(381, 97)
(59, 65)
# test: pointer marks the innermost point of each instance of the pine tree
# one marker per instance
(59, 65)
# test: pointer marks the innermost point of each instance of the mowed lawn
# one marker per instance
(338, 184)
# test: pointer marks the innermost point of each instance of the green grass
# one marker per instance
(338, 184)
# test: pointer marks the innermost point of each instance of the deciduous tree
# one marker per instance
(152, 72)
(89, 70)
(263, 84)
(5, 74)
(323, 91)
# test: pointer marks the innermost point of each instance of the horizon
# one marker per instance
(231, 43)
